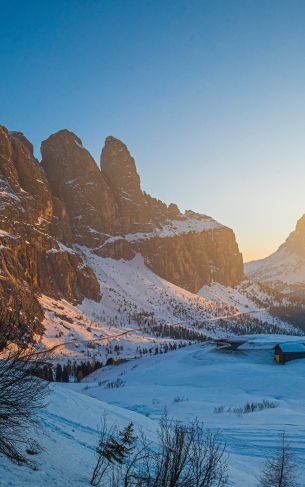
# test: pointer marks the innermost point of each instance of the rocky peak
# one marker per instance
(32, 261)
(78, 183)
(138, 210)
(300, 226)
(64, 158)
(119, 168)
(295, 243)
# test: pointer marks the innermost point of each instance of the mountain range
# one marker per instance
(82, 243)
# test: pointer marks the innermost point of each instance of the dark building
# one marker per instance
(284, 352)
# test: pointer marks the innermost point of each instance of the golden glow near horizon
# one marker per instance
(257, 254)
(259, 239)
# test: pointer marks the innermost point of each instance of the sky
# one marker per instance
(209, 96)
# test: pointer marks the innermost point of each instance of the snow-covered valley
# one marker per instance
(143, 310)
(199, 381)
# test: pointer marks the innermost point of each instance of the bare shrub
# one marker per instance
(249, 407)
(22, 394)
(115, 384)
(183, 456)
(219, 409)
(180, 398)
(280, 470)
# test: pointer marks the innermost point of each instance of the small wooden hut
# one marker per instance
(284, 352)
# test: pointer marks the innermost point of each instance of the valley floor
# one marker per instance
(188, 383)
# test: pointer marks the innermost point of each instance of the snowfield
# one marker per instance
(134, 299)
(187, 224)
(68, 437)
(198, 381)
(192, 382)
(281, 268)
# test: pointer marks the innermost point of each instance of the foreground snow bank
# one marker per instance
(189, 383)
(68, 437)
(196, 381)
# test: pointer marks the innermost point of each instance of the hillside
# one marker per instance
(198, 381)
(285, 269)
(139, 310)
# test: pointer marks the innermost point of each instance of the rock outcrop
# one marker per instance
(48, 211)
(32, 261)
(190, 252)
(295, 243)
(138, 210)
(188, 249)
(84, 195)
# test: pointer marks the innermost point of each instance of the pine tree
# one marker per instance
(58, 375)
(65, 374)
(119, 447)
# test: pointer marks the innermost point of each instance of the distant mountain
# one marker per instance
(285, 269)
(55, 216)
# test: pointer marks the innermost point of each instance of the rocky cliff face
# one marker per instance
(32, 261)
(295, 243)
(76, 181)
(190, 252)
(138, 210)
(188, 249)
(49, 210)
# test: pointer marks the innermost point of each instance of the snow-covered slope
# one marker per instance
(140, 309)
(135, 289)
(282, 267)
(68, 436)
(187, 224)
(71, 335)
(284, 270)
(193, 382)
(200, 379)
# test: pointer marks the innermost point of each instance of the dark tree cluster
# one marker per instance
(77, 370)
(161, 348)
(177, 332)
(295, 315)
(45, 372)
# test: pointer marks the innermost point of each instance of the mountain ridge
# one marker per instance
(283, 270)
(49, 210)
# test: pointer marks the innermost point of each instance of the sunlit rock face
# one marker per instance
(76, 181)
(31, 259)
(188, 249)
(191, 260)
(295, 243)
(138, 210)
(49, 211)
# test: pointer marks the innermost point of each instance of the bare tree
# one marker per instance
(208, 458)
(280, 470)
(22, 394)
(186, 456)
(183, 456)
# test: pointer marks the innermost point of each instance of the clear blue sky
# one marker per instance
(208, 95)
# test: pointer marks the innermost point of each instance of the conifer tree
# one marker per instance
(58, 373)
